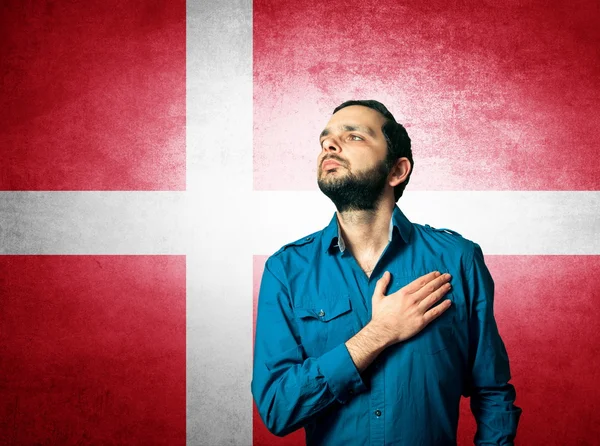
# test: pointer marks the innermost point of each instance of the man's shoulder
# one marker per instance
(305, 242)
(448, 238)
(427, 227)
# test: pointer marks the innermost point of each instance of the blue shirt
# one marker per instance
(314, 297)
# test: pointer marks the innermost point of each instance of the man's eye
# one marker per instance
(355, 138)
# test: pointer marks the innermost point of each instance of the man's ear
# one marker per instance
(399, 171)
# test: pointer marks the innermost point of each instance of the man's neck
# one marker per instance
(366, 233)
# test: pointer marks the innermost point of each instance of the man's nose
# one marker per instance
(329, 145)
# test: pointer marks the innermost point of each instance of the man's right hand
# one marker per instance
(401, 315)
(398, 316)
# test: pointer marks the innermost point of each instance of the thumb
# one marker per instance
(382, 285)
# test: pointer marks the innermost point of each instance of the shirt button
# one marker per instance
(377, 413)
(321, 313)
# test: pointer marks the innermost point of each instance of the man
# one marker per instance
(370, 330)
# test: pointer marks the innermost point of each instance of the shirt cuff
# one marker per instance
(341, 374)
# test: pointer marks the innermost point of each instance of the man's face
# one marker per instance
(351, 168)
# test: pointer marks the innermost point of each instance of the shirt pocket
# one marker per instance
(439, 335)
(325, 323)
(434, 339)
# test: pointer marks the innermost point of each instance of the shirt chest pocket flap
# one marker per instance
(324, 323)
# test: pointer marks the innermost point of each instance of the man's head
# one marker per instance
(373, 153)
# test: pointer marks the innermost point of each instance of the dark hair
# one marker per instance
(398, 141)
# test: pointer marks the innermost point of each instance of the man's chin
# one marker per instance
(331, 173)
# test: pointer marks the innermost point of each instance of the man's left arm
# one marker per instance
(492, 397)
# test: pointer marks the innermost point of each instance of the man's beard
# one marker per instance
(356, 192)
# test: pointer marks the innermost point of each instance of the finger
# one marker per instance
(436, 311)
(429, 288)
(382, 284)
(420, 282)
(433, 297)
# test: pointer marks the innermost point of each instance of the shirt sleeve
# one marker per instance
(492, 397)
(289, 387)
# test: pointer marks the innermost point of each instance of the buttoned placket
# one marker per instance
(377, 383)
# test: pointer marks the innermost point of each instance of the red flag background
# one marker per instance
(154, 153)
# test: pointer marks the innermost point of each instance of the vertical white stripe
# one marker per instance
(219, 186)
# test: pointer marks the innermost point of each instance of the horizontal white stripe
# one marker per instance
(94, 223)
(502, 222)
(529, 223)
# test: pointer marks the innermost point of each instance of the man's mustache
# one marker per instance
(333, 158)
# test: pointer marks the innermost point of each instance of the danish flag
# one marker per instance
(155, 153)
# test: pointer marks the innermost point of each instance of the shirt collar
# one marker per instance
(332, 233)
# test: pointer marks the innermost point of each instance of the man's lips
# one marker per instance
(330, 164)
